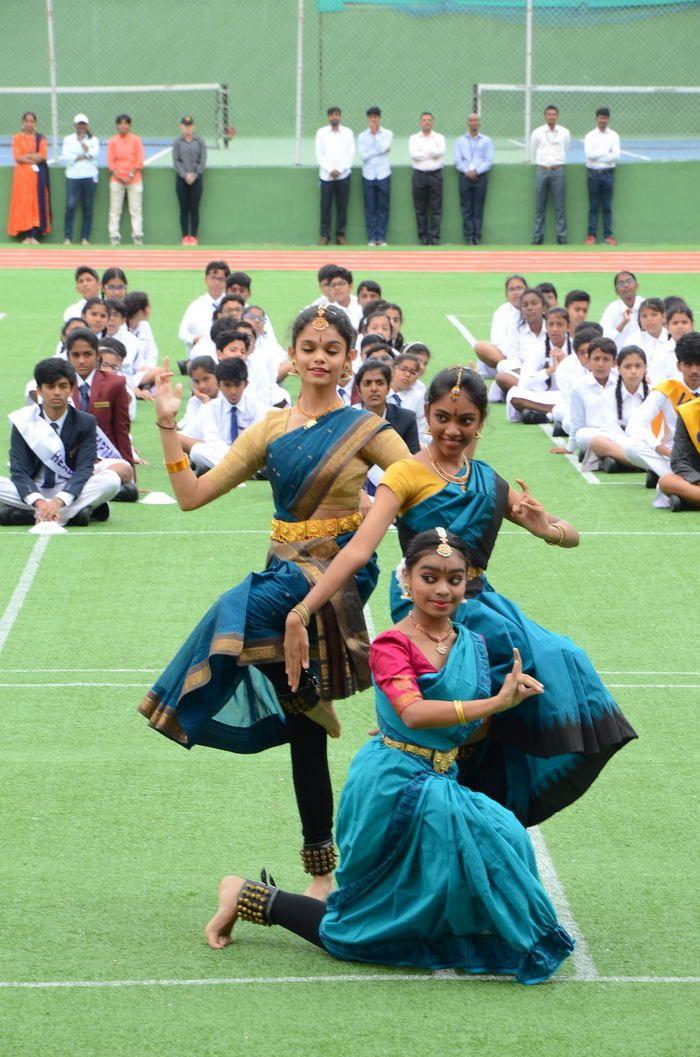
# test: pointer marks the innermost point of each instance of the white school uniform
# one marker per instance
(640, 439)
(535, 383)
(522, 343)
(660, 354)
(147, 352)
(612, 317)
(353, 310)
(503, 324)
(190, 425)
(197, 320)
(568, 374)
(75, 310)
(215, 424)
(589, 410)
(414, 400)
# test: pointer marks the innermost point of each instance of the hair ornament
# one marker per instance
(456, 388)
(443, 548)
(320, 322)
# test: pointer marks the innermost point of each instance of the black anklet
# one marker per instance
(254, 902)
(319, 859)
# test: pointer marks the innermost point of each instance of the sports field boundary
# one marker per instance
(378, 260)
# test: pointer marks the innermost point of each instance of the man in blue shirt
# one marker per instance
(374, 145)
(473, 159)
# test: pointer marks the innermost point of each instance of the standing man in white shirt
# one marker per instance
(80, 151)
(199, 314)
(426, 150)
(548, 146)
(473, 159)
(601, 147)
(374, 146)
(335, 150)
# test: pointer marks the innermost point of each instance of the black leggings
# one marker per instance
(298, 914)
(189, 197)
(312, 779)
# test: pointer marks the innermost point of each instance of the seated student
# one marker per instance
(267, 347)
(94, 316)
(394, 314)
(652, 337)
(341, 295)
(87, 283)
(619, 320)
(377, 322)
(679, 321)
(368, 292)
(651, 429)
(106, 398)
(422, 354)
(323, 277)
(52, 458)
(569, 372)
(577, 304)
(531, 400)
(241, 283)
(117, 328)
(205, 387)
(605, 449)
(111, 354)
(549, 292)
(528, 336)
(503, 322)
(379, 350)
(70, 324)
(262, 370)
(227, 415)
(114, 284)
(589, 411)
(682, 484)
(199, 313)
(374, 381)
(405, 392)
(138, 309)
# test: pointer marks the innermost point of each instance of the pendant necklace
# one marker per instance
(313, 419)
(439, 640)
(451, 478)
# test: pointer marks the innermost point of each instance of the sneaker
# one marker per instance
(185, 241)
(128, 493)
(11, 515)
(610, 241)
(340, 240)
(537, 242)
(558, 430)
(115, 241)
(85, 242)
(652, 479)
(324, 240)
(609, 465)
(370, 243)
(562, 240)
(137, 240)
(193, 241)
(589, 240)
(382, 243)
(98, 513)
(533, 418)
(81, 519)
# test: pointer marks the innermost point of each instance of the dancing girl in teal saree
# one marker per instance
(226, 686)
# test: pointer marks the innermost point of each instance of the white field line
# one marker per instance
(134, 686)
(3, 315)
(633, 154)
(14, 606)
(584, 965)
(571, 458)
(464, 331)
(100, 534)
(158, 154)
(152, 671)
(369, 621)
(341, 978)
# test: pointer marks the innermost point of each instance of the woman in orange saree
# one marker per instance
(30, 202)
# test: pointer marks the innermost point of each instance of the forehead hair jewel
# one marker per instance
(320, 322)
(457, 387)
(443, 547)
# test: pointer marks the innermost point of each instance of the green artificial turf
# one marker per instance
(113, 838)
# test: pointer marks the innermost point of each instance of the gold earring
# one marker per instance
(294, 369)
(346, 374)
(406, 592)
(478, 434)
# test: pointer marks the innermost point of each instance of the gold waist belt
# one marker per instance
(441, 761)
(296, 531)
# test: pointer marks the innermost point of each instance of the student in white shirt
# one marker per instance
(199, 314)
(531, 400)
(548, 146)
(529, 335)
(87, 283)
(569, 373)
(606, 451)
(340, 294)
(226, 317)
(374, 147)
(652, 336)
(408, 391)
(590, 412)
(620, 316)
(267, 352)
(117, 327)
(138, 309)
(504, 320)
(226, 416)
(80, 152)
(426, 149)
(679, 321)
(335, 150)
(261, 372)
(205, 387)
(648, 446)
(95, 316)
(601, 147)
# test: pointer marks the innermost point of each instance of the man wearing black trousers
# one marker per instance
(335, 150)
(427, 153)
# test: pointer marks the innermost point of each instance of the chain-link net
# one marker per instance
(402, 55)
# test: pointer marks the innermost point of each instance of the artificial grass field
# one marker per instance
(114, 838)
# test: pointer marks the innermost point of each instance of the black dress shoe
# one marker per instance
(609, 465)
(100, 512)
(558, 430)
(652, 479)
(537, 242)
(533, 418)
(128, 493)
(562, 241)
(81, 519)
(11, 515)
(183, 364)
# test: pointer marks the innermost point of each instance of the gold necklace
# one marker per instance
(439, 640)
(313, 419)
(460, 479)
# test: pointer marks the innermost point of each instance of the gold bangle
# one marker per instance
(459, 709)
(561, 535)
(178, 465)
(303, 613)
(160, 426)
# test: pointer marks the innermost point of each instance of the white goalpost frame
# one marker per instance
(53, 83)
(299, 96)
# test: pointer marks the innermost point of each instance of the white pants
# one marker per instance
(134, 194)
(647, 458)
(537, 396)
(205, 456)
(99, 488)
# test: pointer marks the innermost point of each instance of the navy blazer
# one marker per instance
(79, 439)
(404, 422)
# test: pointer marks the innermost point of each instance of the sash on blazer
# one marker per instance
(44, 441)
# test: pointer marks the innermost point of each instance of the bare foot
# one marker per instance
(559, 450)
(320, 887)
(325, 715)
(218, 930)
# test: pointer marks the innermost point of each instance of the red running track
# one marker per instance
(432, 260)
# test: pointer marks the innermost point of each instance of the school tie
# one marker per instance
(84, 396)
(395, 399)
(234, 423)
(49, 475)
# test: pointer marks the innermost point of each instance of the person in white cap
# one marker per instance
(79, 153)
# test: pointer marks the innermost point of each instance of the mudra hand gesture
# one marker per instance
(530, 513)
(296, 649)
(168, 400)
(517, 686)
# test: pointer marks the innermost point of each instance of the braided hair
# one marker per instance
(629, 350)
